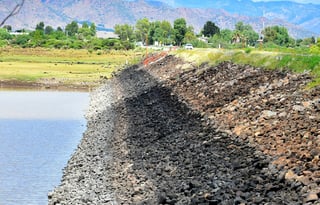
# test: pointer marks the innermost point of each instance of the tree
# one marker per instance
(154, 33)
(13, 12)
(189, 36)
(167, 31)
(276, 34)
(125, 32)
(142, 29)
(85, 31)
(93, 29)
(245, 34)
(40, 26)
(222, 39)
(226, 35)
(22, 40)
(48, 30)
(8, 28)
(210, 29)
(240, 26)
(180, 29)
(316, 47)
(72, 29)
(4, 34)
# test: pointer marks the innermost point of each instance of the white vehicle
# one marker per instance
(188, 46)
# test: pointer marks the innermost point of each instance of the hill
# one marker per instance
(108, 13)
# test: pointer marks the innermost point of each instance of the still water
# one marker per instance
(39, 131)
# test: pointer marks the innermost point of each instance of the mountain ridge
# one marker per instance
(106, 14)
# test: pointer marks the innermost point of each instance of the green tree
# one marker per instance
(85, 31)
(48, 30)
(85, 25)
(223, 39)
(167, 31)
(40, 26)
(4, 34)
(276, 34)
(226, 35)
(93, 29)
(59, 29)
(240, 26)
(125, 32)
(189, 36)
(210, 29)
(22, 40)
(154, 32)
(245, 34)
(72, 28)
(316, 47)
(180, 30)
(142, 29)
(161, 32)
(58, 34)
(8, 27)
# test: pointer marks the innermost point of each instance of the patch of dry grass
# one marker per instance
(65, 66)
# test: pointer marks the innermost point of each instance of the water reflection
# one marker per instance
(38, 133)
(42, 105)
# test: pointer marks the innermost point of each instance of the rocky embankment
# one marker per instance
(207, 135)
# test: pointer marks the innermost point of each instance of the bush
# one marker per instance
(4, 34)
(247, 50)
(3, 43)
(199, 44)
(315, 49)
(21, 40)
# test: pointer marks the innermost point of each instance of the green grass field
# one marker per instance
(295, 61)
(68, 67)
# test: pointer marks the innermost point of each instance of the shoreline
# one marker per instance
(16, 85)
(85, 178)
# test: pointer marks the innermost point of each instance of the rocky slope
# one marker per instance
(165, 134)
(268, 109)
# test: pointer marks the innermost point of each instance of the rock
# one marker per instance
(304, 180)
(298, 108)
(268, 114)
(311, 197)
(151, 143)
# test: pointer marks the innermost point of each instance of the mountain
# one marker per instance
(105, 14)
(304, 15)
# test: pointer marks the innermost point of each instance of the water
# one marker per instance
(39, 131)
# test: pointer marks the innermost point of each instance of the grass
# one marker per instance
(295, 61)
(69, 67)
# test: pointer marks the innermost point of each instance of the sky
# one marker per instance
(172, 2)
(298, 1)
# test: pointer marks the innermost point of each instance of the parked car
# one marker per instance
(188, 46)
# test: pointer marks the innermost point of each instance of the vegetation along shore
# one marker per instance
(75, 56)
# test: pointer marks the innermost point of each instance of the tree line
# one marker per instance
(243, 35)
(83, 36)
(74, 35)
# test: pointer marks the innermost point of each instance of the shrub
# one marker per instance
(247, 50)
